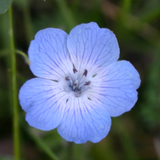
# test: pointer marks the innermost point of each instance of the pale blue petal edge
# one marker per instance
(39, 98)
(92, 45)
(48, 52)
(84, 120)
(118, 88)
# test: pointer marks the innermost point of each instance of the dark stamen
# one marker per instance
(85, 72)
(87, 83)
(67, 78)
(74, 70)
(74, 84)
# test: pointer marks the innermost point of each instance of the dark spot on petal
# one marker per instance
(89, 98)
(55, 80)
(94, 75)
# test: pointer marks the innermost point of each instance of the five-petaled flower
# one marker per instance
(80, 84)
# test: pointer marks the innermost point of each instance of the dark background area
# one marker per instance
(136, 134)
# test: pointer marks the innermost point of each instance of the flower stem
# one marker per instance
(14, 99)
(70, 151)
(23, 55)
(44, 147)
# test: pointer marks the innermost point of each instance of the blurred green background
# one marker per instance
(134, 135)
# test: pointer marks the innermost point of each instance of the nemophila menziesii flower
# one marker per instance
(80, 84)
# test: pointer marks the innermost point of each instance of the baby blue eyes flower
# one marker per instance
(80, 84)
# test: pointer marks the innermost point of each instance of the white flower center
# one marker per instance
(77, 82)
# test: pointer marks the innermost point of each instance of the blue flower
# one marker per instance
(80, 84)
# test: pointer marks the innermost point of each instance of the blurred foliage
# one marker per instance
(4, 5)
(134, 135)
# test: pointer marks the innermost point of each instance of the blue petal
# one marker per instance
(43, 100)
(89, 44)
(48, 54)
(118, 87)
(84, 120)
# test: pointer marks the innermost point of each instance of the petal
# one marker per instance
(48, 54)
(117, 86)
(84, 120)
(89, 44)
(43, 100)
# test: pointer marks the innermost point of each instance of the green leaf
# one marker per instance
(4, 5)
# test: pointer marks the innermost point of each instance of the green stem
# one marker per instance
(44, 147)
(6, 51)
(23, 55)
(70, 150)
(14, 99)
(40, 143)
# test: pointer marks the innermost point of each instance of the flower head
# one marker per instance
(80, 84)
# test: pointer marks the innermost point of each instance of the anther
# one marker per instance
(75, 84)
(85, 72)
(67, 78)
(87, 83)
(74, 70)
